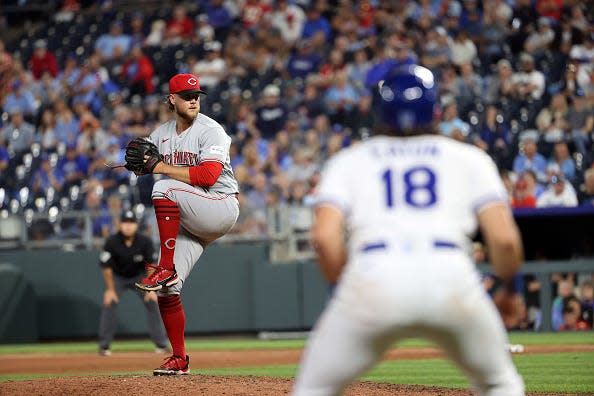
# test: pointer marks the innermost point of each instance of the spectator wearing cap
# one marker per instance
(138, 72)
(114, 45)
(558, 194)
(529, 158)
(580, 119)
(42, 60)
(21, 99)
(18, 134)
(271, 116)
(213, 68)
(529, 83)
(316, 27)
(303, 62)
(500, 88)
(288, 19)
(436, 52)
(46, 177)
(180, 27)
(540, 40)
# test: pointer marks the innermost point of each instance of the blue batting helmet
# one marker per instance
(407, 96)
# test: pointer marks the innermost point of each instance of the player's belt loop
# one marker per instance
(439, 244)
(374, 246)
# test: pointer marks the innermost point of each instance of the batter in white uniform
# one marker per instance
(393, 221)
(195, 205)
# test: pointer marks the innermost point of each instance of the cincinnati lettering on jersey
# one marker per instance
(182, 158)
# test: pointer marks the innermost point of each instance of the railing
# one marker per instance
(16, 231)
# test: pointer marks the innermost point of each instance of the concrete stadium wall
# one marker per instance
(53, 294)
(232, 289)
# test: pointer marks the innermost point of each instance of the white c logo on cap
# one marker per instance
(192, 81)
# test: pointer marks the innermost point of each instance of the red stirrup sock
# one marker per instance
(174, 319)
(168, 222)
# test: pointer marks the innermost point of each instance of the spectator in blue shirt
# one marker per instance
(22, 99)
(46, 177)
(73, 166)
(219, 18)
(114, 45)
(304, 61)
(529, 158)
(18, 135)
(451, 125)
(67, 125)
(316, 27)
(341, 99)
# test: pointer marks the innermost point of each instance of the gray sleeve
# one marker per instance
(214, 145)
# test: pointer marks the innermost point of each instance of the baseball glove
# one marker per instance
(136, 150)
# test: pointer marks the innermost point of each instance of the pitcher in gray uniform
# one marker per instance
(196, 204)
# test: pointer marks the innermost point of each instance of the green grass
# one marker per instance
(558, 372)
(555, 372)
(225, 344)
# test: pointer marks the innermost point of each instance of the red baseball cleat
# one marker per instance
(174, 365)
(159, 278)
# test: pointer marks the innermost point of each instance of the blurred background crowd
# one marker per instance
(292, 82)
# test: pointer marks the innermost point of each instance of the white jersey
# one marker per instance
(410, 192)
(409, 204)
(204, 140)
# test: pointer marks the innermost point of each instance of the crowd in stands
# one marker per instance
(292, 81)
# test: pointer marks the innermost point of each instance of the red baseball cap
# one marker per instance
(185, 83)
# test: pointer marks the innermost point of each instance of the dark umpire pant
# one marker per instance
(109, 316)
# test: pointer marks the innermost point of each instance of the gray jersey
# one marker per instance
(205, 140)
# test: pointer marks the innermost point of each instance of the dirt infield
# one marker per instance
(78, 374)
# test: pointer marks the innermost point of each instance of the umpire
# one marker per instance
(123, 262)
